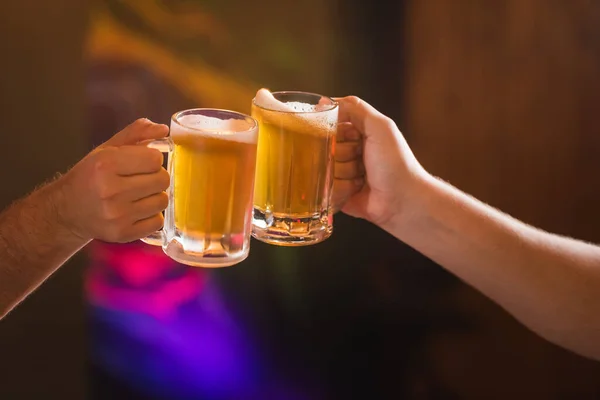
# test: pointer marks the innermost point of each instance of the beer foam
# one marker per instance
(303, 113)
(227, 129)
(265, 99)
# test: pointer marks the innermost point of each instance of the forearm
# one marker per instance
(550, 283)
(33, 244)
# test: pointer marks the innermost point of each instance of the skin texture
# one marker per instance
(115, 193)
(548, 282)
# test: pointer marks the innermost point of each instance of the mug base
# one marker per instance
(205, 259)
(291, 231)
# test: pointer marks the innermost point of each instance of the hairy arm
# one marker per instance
(33, 243)
(548, 282)
(115, 193)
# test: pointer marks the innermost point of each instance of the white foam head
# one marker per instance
(265, 99)
(238, 130)
(309, 113)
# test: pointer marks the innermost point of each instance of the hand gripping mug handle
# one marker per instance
(165, 145)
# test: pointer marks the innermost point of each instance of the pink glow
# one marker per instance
(142, 287)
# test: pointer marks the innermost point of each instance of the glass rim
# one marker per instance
(175, 118)
(334, 104)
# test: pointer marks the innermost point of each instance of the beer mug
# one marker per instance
(211, 161)
(294, 172)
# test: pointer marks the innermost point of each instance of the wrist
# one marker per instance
(59, 200)
(412, 208)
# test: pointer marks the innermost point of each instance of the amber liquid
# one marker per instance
(294, 174)
(213, 186)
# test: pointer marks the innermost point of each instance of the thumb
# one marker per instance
(363, 116)
(139, 131)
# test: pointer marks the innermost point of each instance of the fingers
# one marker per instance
(125, 183)
(139, 131)
(362, 115)
(127, 160)
(348, 144)
(141, 186)
(343, 190)
(147, 226)
(149, 206)
(138, 230)
(124, 221)
(348, 158)
(134, 160)
(128, 173)
(347, 132)
(349, 170)
(347, 151)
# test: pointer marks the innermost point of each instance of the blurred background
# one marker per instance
(500, 98)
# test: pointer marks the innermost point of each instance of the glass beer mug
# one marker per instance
(294, 173)
(211, 161)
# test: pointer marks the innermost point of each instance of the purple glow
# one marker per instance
(164, 328)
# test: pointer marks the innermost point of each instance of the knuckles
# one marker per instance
(105, 189)
(141, 123)
(103, 160)
(111, 211)
(127, 233)
(118, 225)
(156, 157)
(354, 100)
(163, 179)
(102, 177)
(388, 123)
(116, 233)
(155, 224)
(163, 201)
(112, 219)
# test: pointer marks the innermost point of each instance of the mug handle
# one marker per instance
(165, 145)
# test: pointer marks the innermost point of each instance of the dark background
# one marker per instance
(500, 98)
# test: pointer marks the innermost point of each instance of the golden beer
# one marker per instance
(212, 159)
(213, 181)
(294, 171)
